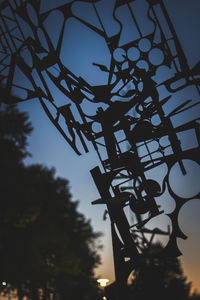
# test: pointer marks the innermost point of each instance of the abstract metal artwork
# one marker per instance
(135, 118)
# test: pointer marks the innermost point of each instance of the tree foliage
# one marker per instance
(46, 245)
(159, 278)
(14, 130)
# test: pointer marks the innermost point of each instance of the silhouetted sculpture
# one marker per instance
(28, 48)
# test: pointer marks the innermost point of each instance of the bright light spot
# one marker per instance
(3, 283)
(104, 298)
(103, 282)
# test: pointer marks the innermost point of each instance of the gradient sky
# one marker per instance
(50, 149)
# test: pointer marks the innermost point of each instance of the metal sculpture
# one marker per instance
(135, 134)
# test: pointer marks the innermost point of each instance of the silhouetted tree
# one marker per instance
(159, 278)
(195, 296)
(46, 245)
(14, 129)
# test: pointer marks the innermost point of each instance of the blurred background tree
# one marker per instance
(160, 278)
(47, 248)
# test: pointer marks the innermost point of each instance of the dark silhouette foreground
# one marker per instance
(47, 248)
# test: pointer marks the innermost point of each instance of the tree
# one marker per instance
(46, 245)
(195, 296)
(15, 129)
(159, 278)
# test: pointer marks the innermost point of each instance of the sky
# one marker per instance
(49, 148)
